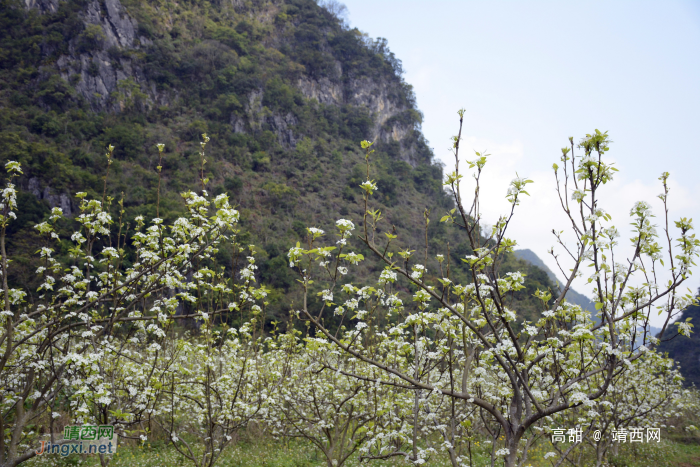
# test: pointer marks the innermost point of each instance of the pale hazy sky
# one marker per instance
(532, 73)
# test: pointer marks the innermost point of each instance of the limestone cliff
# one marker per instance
(285, 91)
(105, 65)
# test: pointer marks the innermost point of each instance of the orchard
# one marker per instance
(416, 364)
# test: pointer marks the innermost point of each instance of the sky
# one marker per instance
(532, 73)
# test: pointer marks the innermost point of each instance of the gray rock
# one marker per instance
(34, 187)
(100, 76)
(43, 6)
(62, 200)
(259, 118)
(280, 125)
(237, 123)
(324, 91)
(106, 81)
(254, 110)
(373, 95)
(121, 27)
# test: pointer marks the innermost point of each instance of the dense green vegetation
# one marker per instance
(254, 449)
(233, 73)
(285, 91)
(684, 350)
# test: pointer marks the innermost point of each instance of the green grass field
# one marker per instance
(262, 451)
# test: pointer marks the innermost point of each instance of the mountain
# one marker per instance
(572, 296)
(685, 350)
(284, 89)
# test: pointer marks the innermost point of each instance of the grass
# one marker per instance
(267, 452)
(248, 453)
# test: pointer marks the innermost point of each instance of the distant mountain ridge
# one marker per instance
(585, 303)
(685, 350)
(572, 295)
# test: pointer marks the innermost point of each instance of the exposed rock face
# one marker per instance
(99, 74)
(324, 91)
(259, 118)
(105, 75)
(362, 92)
(117, 25)
(61, 200)
(282, 127)
(372, 95)
(237, 123)
(98, 85)
(254, 110)
(43, 6)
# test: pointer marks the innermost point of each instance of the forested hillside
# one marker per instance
(685, 350)
(284, 90)
(572, 295)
